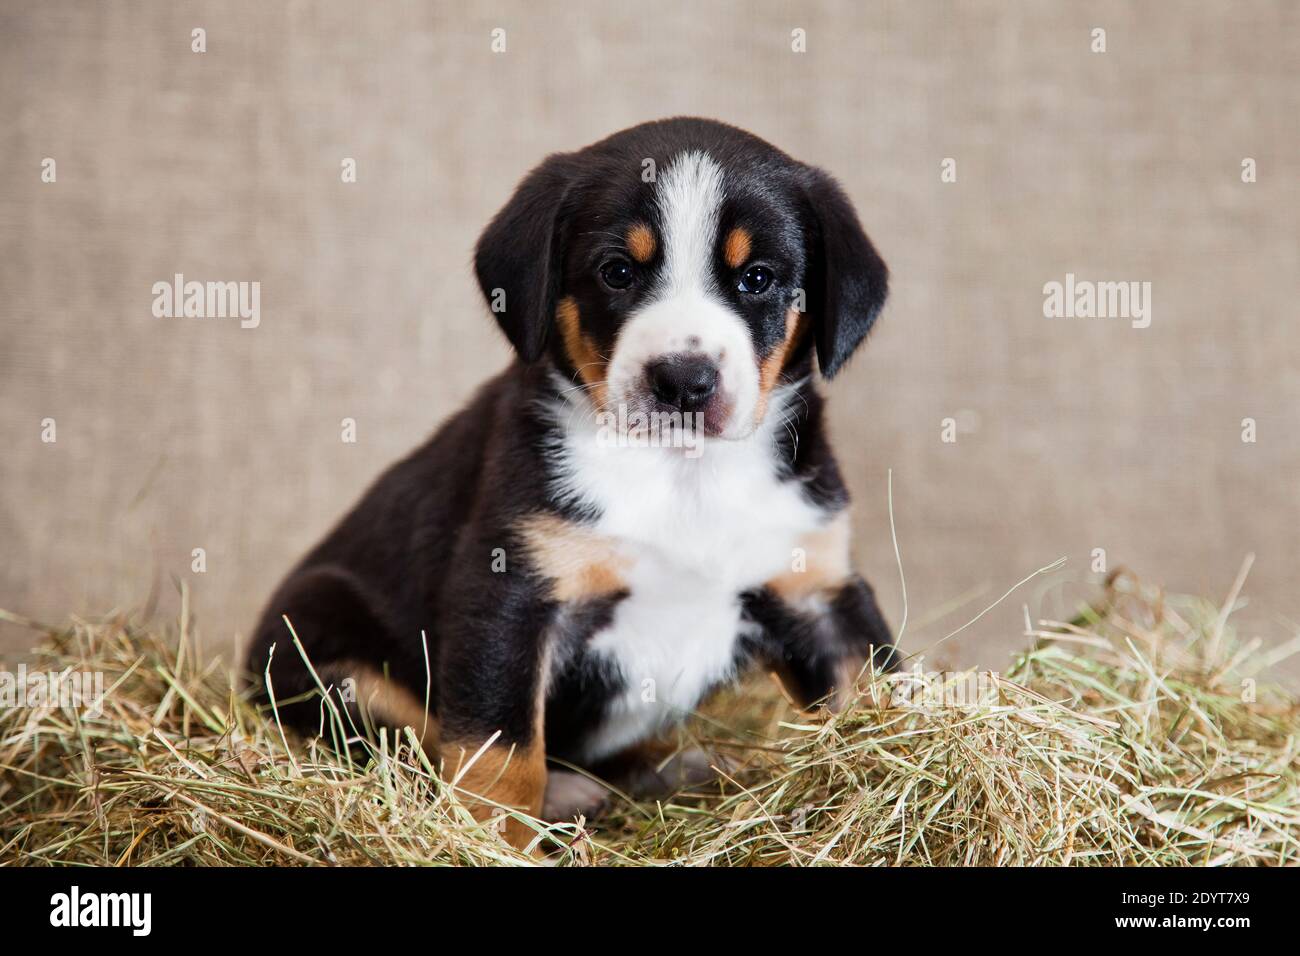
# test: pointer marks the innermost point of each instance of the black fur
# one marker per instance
(848, 281)
(806, 650)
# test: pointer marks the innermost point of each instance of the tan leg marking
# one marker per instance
(579, 563)
(387, 702)
(641, 242)
(826, 564)
(769, 371)
(504, 775)
(591, 367)
(827, 568)
(737, 247)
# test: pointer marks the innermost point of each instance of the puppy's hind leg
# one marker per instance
(374, 677)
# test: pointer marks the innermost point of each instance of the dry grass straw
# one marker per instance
(1119, 739)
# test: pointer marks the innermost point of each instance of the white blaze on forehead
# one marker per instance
(686, 311)
(689, 197)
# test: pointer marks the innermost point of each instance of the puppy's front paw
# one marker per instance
(569, 794)
(684, 770)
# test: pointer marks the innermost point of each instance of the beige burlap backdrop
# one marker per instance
(1071, 434)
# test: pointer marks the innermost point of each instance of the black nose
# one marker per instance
(685, 382)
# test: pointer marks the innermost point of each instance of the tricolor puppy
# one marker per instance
(643, 505)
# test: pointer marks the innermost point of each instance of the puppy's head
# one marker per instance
(681, 266)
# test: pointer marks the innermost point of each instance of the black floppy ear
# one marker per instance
(519, 257)
(847, 279)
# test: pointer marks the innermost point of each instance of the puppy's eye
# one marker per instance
(755, 279)
(617, 274)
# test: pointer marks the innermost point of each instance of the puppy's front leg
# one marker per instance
(818, 622)
(493, 682)
(818, 643)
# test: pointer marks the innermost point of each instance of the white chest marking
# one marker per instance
(695, 533)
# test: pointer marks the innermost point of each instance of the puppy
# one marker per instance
(641, 507)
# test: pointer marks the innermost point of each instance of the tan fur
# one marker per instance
(578, 563)
(641, 242)
(591, 367)
(737, 247)
(826, 569)
(387, 702)
(504, 775)
(770, 369)
(511, 776)
(826, 563)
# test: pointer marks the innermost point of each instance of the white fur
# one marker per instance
(685, 312)
(689, 194)
(695, 533)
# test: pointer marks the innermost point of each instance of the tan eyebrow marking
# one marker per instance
(737, 247)
(641, 242)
